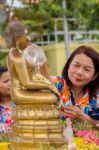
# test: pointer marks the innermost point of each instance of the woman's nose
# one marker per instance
(9, 83)
(80, 71)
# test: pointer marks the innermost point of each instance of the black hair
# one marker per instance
(2, 70)
(94, 55)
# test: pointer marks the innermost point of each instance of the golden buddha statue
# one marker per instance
(36, 115)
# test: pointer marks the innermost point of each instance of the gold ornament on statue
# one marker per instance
(36, 121)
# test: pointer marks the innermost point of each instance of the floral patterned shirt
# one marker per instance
(84, 103)
(6, 115)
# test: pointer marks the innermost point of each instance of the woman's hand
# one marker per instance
(74, 112)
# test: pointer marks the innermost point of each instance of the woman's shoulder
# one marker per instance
(94, 102)
(57, 78)
(97, 97)
(4, 108)
(59, 82)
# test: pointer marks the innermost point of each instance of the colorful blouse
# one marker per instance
(6, 115)
(84, 103)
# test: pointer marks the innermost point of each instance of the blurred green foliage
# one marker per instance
(40, 18)
(3, 55)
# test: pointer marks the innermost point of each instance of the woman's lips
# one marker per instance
(77, 79)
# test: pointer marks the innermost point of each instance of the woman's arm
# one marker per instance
(94, 122)
(77, 113)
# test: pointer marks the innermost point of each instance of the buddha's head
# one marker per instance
(16, 34)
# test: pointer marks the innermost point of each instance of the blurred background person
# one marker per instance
(6, 105)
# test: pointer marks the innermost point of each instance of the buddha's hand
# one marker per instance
(40, 78)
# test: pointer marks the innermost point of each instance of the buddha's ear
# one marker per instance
(95, 76)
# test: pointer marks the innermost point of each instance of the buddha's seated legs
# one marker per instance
(33, 97)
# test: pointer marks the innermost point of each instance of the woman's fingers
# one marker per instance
(69, 113)
(74, 112)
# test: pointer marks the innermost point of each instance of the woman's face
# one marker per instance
(5, 81)
(81, 70)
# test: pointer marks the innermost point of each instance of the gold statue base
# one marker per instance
(36, 144)
(35, 125)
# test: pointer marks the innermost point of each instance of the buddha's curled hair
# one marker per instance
(14, 30)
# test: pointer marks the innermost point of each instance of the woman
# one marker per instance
(6, 105)
(79, 96)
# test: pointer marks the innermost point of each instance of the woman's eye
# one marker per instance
(87, 70)
(75, 65)
(6, 81)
